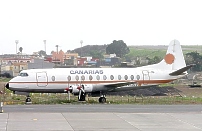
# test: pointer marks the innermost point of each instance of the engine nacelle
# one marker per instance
(74, 89)
(88, 88)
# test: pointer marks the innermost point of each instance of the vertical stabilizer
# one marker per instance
(174, 58)
(175, 49)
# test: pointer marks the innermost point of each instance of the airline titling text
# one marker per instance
(86, 71)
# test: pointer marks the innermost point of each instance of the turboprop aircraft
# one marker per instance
(99, 81)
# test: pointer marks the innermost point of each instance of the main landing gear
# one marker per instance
(82, 94)
(102, 100)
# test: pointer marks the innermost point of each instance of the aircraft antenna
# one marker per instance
(81, 47)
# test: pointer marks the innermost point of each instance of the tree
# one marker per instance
(154, 60)
(42, 53)
(96, 54)
(118, 47)
(20, 49)
(194, 58)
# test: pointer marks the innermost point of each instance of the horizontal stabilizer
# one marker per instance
(181, 71)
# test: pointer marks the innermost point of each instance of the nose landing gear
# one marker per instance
(28, 100)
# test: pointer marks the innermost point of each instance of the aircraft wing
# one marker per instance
(126, 86)
(118, 84)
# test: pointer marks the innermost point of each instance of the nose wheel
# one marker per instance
(28, 100)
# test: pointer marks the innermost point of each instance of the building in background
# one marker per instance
(70, 59)
(57, 57)
(40, 64)
(14, 68)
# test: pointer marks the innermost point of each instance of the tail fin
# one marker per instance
(174, 58)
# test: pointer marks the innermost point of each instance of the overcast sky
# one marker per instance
(97, 22)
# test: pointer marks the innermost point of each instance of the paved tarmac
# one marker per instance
(101, 117)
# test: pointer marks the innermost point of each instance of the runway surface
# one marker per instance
(101, 117)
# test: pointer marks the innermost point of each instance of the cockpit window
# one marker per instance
(23, 74)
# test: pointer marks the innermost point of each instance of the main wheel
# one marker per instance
(102, 100)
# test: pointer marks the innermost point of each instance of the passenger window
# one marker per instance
(138, 77)
(83, 77)
(132, 77)
(69, 78)
(98, 77)
(77, 77)
(126, 77)
(90, 77)
(104, 77)
(53, 78)
(111, 77)
(119, 77)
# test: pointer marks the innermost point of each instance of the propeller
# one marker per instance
(68, 89)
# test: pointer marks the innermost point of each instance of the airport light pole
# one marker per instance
(81, 47)
(44, 45)
(16, 42)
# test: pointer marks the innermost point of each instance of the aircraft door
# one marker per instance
(42, 79)
(146, 76)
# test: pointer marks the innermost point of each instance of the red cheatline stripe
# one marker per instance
(98, 82)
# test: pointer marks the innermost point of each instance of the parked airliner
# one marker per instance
(99, 81)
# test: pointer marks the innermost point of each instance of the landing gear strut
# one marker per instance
(82, 94)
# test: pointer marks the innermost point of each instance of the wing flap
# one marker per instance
(126, 86)
(119, 84)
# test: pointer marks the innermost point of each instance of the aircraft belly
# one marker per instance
(37, 89)
(99, 88)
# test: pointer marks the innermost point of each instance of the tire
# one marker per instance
(28, 99)
(102, 99)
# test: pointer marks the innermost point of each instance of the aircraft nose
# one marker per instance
(7, 85)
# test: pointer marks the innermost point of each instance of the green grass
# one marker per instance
(38, 98)
(151, 53)
(4, 79)
(146, 53)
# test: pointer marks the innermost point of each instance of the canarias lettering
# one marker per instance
(86, 71)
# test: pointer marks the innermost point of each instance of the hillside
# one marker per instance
(139, 50)
(89, 48)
